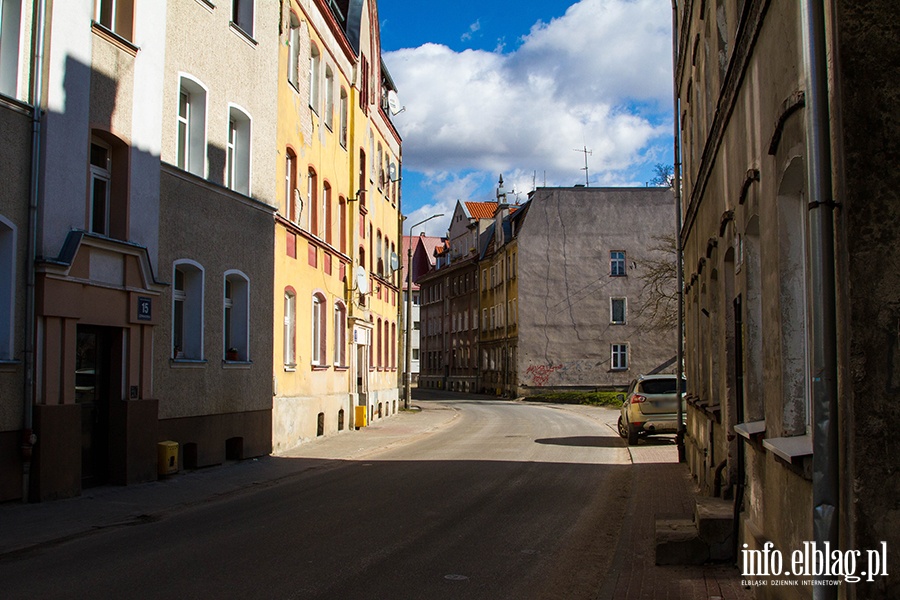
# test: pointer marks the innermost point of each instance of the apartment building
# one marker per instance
(790, 205)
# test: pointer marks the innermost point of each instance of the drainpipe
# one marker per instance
(37, 93)
(823, 346)
(679, 251)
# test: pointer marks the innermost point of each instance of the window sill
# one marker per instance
(237, 364)
(291, 368)
(114, 38)
(187, 363)
(790, 448)
(341, 368)
(319, 367)
(245, 35)
(9, 366)
(750, 430)
(207, 4)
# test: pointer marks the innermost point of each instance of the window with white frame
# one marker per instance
(290, 329)
(237, 316)
(617, 310)
(329, 97)
(237, 163)
(187, 311)
(290, 184)
(340, 334)
(7, 288)
(344, 108)
(10, 23)
(242, 15)
(101, 183)
(318, 329)
(115, 15)
(619, 356)
(315, 65)
(617, 263)
(294, 51)
(190, 153)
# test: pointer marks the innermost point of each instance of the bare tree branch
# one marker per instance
(659, 309)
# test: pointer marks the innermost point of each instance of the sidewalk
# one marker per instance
(29, 526)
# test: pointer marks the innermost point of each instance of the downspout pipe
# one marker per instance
(29, 439)
(823, 321)
(679, 251)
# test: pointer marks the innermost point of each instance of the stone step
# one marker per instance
(678, 543)
(705, 538)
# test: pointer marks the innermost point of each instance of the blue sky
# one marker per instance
(519, 87)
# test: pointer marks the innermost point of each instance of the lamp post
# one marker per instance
(408, 375)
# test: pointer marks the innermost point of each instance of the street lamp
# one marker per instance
(408, 376)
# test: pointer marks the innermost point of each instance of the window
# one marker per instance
(115, 15)
(617, 310)
(344, 117)
(7, 288)
(617, 263)
(619, 357)
(312, 183)
(242, 15)
(237, 164)
(329, 97)
(190, 154)
(379, 259)
(237, 316)
(325, 221)
(10, 20)
(290, 185)
(393, 345)
(101, 182)
(294, 52)
(290, 328)
(318, 329)
(342, 224)
(314, 66)
(187, 311)
(340, 333)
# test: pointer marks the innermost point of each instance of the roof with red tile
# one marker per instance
(481, 210)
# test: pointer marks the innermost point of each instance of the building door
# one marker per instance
(93, 387)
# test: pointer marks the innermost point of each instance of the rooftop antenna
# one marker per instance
(587, 182)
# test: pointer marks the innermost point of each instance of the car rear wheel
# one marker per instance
(632, 435)
(623, 431)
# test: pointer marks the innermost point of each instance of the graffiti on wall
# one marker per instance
(540, 374)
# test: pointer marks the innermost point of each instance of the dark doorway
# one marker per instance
(94, 374)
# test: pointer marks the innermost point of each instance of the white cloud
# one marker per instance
(472, 29)
(599, 76)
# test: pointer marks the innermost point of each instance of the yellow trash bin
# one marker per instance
(167, 454)
(361, 417)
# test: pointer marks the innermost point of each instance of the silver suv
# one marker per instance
(650, 407)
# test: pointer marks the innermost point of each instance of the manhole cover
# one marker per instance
(455, 577)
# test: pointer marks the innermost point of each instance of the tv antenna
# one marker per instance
(587, 182)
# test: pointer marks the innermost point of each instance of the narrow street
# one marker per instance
(501, 500)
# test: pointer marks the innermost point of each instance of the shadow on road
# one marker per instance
(585, 441)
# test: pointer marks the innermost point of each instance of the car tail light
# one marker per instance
(638, 398)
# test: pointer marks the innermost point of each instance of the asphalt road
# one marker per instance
(509, 500)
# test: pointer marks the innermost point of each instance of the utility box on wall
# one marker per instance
(167, 453)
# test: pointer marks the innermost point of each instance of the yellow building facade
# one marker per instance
(337, 296)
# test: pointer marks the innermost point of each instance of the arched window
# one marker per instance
(361, 192)
(393, 345)
(379, 338)
(187, 311)
(340, 334)
(190, 154)
(237, 316)
(379, 259)
(329, 97)
(290, 185)
(342, 224)
(318, 329)
(294, 51)
(344, 117)
(312, 183)
(290, 328)
(237, 160)
(326, 225)
(315, 61)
